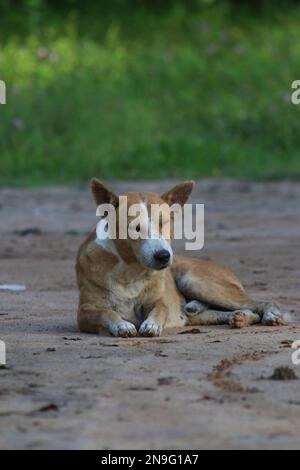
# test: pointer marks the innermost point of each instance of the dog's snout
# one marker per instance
(162, 256)
(156, 253)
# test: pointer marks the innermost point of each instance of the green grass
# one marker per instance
(180, 94)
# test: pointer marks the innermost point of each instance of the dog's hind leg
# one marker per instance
(210, 284)
(215, 296)
(266, 313)
(200, 314)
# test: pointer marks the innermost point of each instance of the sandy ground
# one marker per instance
(63, 389)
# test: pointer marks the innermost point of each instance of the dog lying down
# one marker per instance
(132, 287)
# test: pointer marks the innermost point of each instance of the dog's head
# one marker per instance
(143, 222)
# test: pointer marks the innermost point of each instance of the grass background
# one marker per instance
(125, 90)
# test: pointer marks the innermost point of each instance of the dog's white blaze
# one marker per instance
(154, 243)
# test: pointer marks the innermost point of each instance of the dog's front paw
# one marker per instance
(150, 328)
(123, 328)
(272, 317)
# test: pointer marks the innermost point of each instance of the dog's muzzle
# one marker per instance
(156, 254)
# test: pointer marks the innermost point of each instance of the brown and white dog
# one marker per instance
(132, 287)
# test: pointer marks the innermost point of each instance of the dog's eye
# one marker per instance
(138, 228)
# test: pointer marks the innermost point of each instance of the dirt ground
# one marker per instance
(211, 389)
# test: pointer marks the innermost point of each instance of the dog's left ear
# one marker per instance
(179, 194)
(102, 194)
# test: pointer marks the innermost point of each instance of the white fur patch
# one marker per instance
(272, 317)
(150, 328)
(122, 328)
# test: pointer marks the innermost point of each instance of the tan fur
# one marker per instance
(120, 295)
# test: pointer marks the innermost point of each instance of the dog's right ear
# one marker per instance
(102, 194)
(179, 194)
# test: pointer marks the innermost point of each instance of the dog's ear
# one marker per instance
(102, 194)
(179, 194)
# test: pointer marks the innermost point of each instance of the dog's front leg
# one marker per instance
(93, 319)
(156, 320)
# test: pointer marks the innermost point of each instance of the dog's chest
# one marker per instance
(121, 292)
(126, 297)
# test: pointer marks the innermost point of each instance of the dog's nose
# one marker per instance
(162, 256)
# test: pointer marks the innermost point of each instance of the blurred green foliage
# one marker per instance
(140, 89)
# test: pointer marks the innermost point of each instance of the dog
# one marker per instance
(129, 287)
